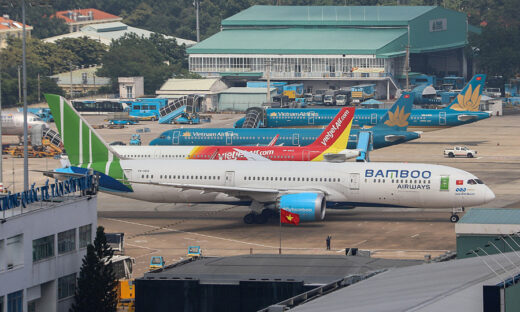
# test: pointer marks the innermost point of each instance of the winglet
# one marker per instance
(336, 134)
(469, 98)
(85, 148)
(397, 116)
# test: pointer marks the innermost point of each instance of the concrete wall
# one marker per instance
(38, 279)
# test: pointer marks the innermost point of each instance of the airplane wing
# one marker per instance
(273, 141)
(342, 156)
(464, 117)
(263, 195)
(251, 156)
(393, 137)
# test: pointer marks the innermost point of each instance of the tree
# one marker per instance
(96, 287)
(156, 59)
(88, 52)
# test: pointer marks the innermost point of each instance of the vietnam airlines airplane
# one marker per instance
(464, 109)
(330, 145)
(390, 130)
(305, 188)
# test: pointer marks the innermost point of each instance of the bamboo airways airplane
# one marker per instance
(305, 188)
(331, 145)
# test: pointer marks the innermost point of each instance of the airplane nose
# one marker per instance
(489, 196)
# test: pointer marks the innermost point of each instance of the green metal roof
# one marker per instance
(301, 40)
(491, 216)
(326, 15)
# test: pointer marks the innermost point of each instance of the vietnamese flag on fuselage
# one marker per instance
(289, 217)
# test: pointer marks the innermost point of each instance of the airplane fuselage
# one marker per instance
(12, 123)
(386, 184)
(420, 119)
(287, 137)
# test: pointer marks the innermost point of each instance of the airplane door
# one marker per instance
(128, 174)
(230, 178)
(306, 155)
(442, 118)
(311, 118)
(353, 181)
(175, 138)
(373, 118)
(229, 138)
(296, 139)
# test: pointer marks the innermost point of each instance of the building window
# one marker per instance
(14, 251)
(85, 235)
(15, 301)
(66, 241)
(43, 248)
(1, 303)
(129, 92)
(66, 286)
(31, 306)
(438, 24)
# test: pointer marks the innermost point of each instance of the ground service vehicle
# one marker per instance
(194, 252)
(460, 151)
(123, 268)
(363, 92)
(135, 140)
(329, 99)
(157, 262)
(317, 97)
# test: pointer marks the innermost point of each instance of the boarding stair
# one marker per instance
(53, 137)
(254, 117)
(186, 104)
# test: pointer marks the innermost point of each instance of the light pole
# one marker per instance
(25, 139)
(196, 3)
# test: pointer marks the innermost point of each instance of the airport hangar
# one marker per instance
(330, 47)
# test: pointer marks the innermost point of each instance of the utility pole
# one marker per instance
(268, 76)
(25, 134)
(407, 61)
(19, 84)
(196, 3)
(39, 98)
(70, 64)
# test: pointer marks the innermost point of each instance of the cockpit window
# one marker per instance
(162, 137)
(472, 181)
(479, 181)
(475, 181)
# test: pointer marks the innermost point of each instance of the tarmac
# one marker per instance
(168, 229)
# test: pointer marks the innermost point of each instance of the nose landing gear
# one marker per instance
(454, 214)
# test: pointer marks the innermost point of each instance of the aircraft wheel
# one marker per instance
(470, 155)
(261, 219)
(249, 218)
(451, 155)
(454, 218)
(268, 213)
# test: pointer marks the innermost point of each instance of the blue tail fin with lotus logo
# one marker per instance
(469, 98)
(396, 117)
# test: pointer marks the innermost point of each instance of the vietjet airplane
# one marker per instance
(463, 110)
(331, 145)
(305, 188)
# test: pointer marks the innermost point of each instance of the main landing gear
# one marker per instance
(259, 218)
(454, 214)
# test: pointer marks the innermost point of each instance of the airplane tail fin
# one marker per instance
(85, 148)
(336, 134)
(469, 98)
(397, 116)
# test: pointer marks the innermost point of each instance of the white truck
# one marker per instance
(460, 151)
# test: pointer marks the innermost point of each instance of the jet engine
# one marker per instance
(309, 206)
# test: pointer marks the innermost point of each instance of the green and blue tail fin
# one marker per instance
(85, 148)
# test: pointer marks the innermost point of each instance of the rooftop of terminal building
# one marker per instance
(266, 15)
(311, 269)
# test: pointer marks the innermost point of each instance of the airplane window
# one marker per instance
(142, 176)
(219, 178)
(479, 181)
(254, 178)
(147, 176)
(245, 178)
(285, 178)
(160, 177)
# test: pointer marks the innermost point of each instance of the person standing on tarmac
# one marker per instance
(328, 241)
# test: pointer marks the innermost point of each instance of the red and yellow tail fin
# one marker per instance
(335, 136)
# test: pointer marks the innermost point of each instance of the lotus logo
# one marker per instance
(470, 101)
(273, 114)
(186, 134)
(397, 118)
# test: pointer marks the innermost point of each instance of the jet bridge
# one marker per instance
(364, 145)
(189, 104)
